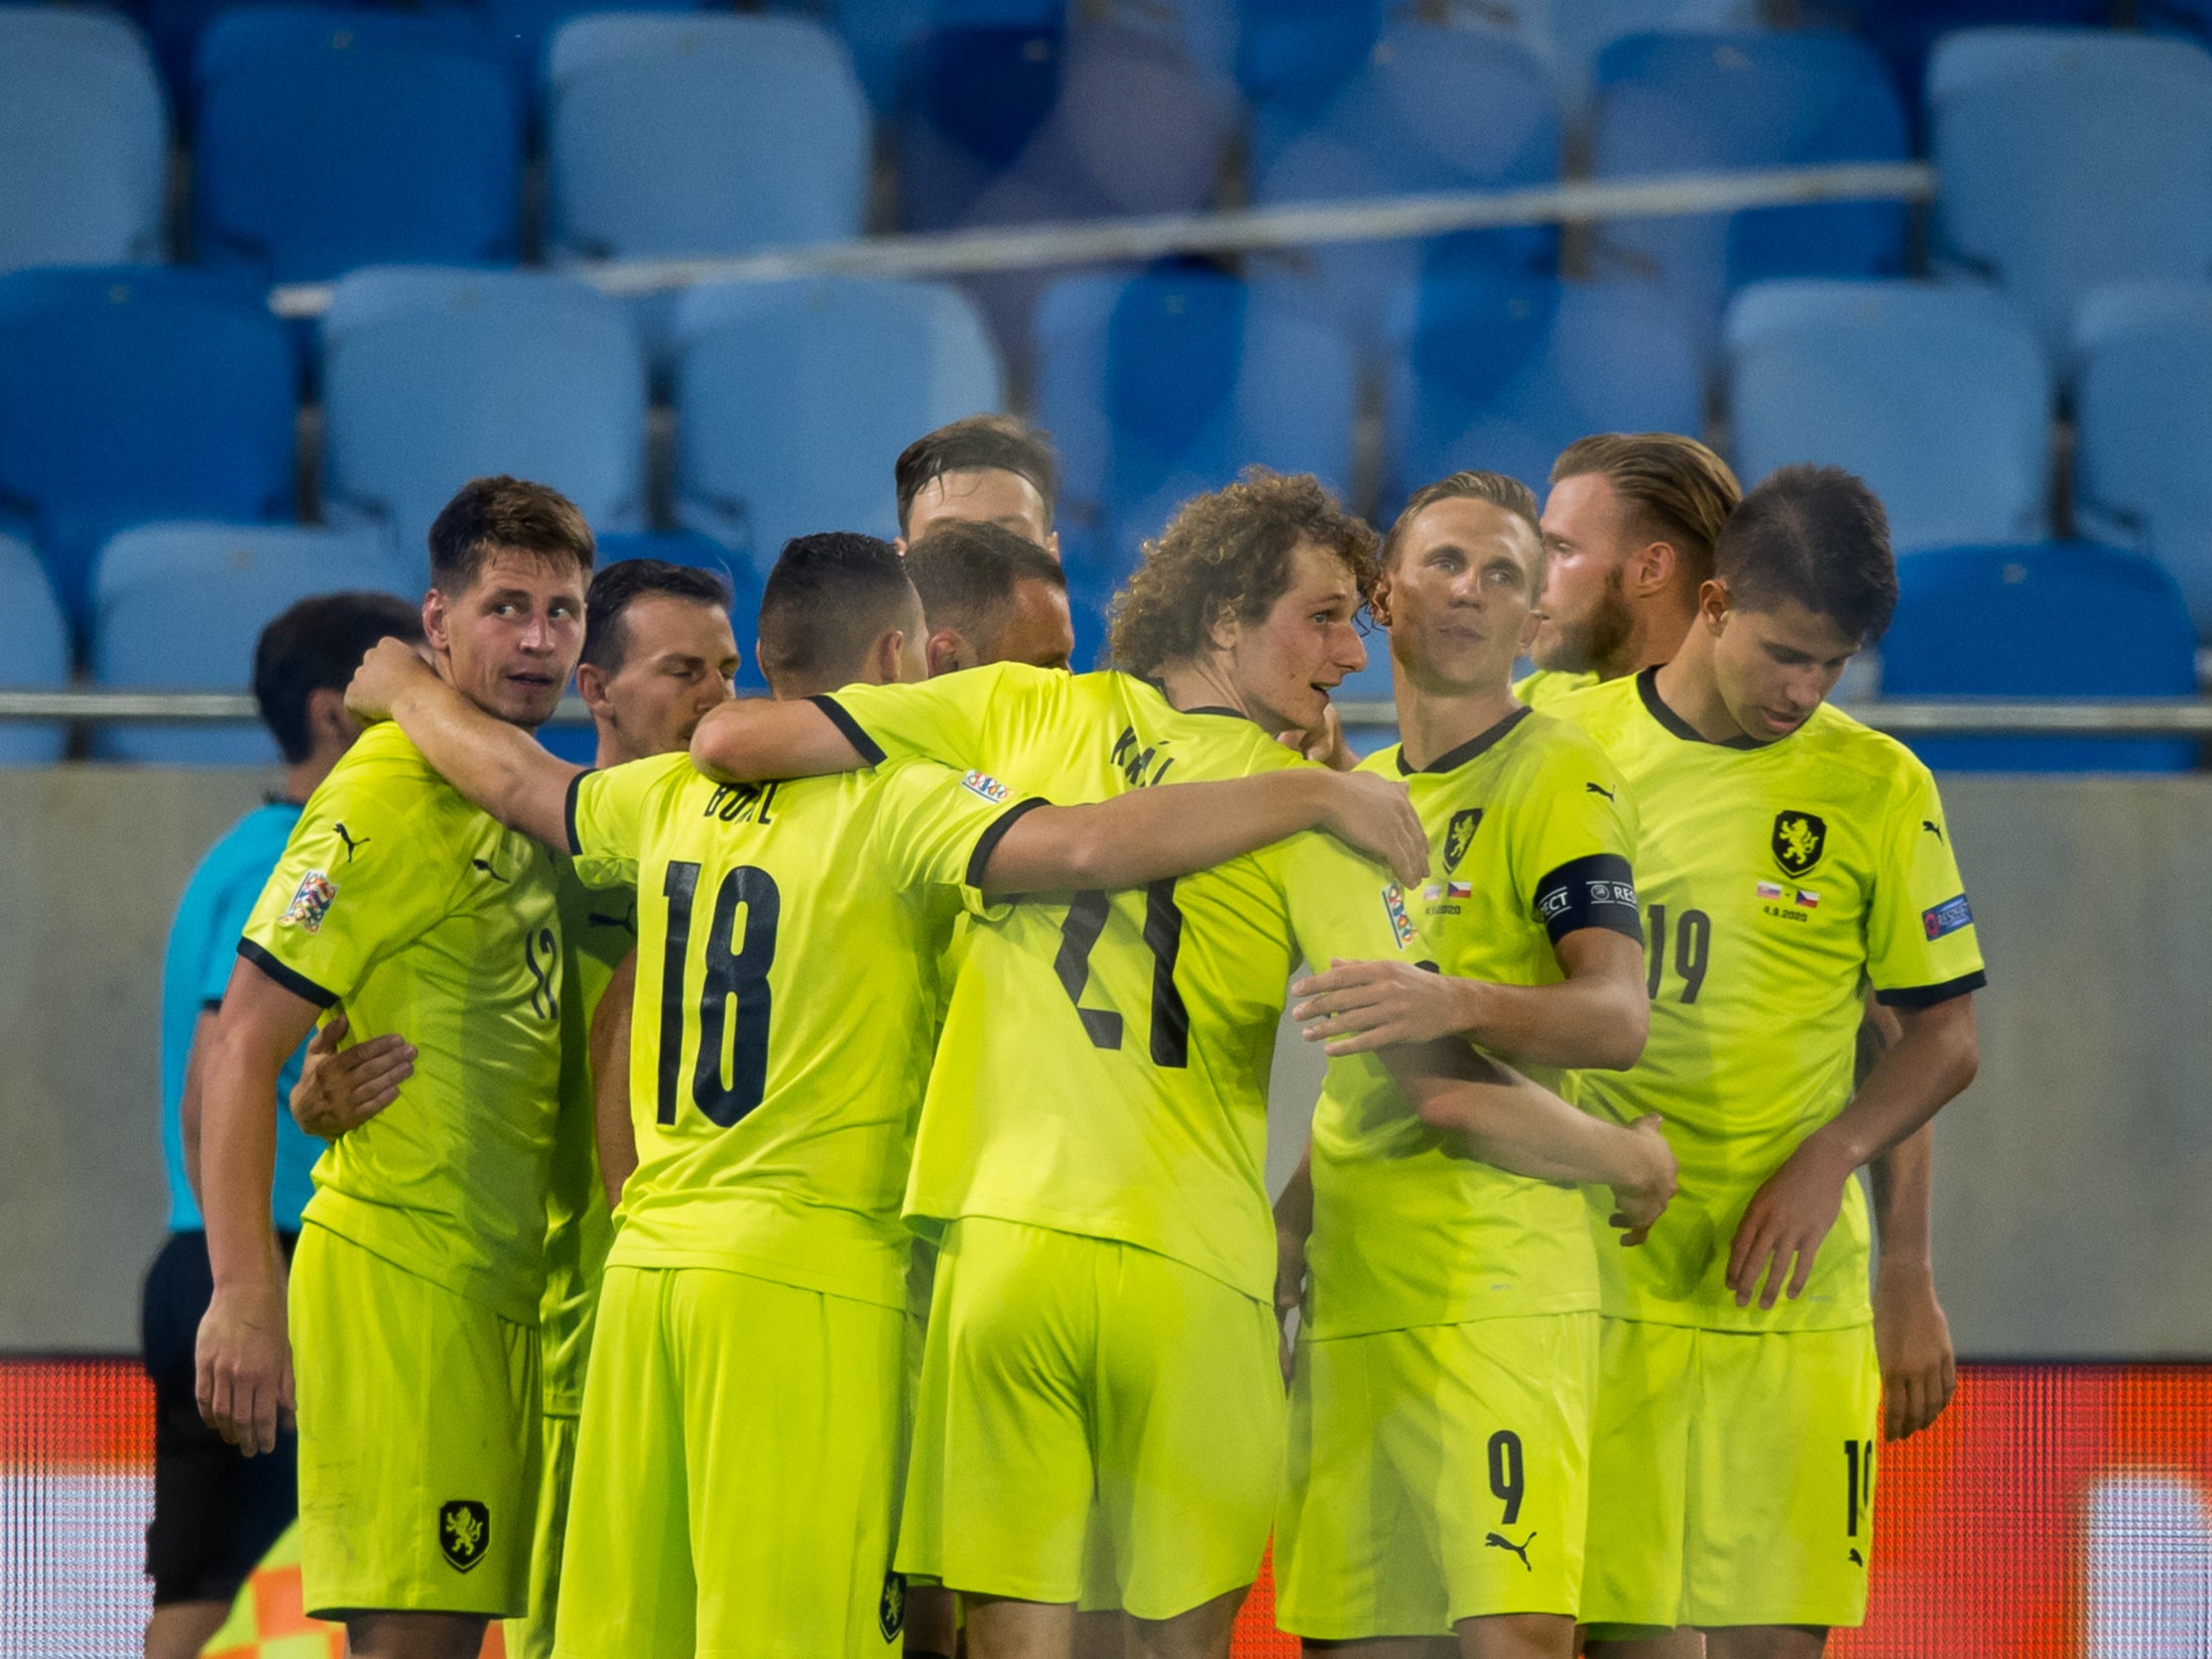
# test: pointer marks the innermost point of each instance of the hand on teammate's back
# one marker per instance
(1375, 815)
(1912, 1338)
(342, 1089)
(1638, 1206)
(244, 1366)
(1358, 1007)
(1787, 1220)
(386, 671)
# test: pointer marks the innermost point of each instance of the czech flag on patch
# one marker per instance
(1460, 890)
(1807, 899)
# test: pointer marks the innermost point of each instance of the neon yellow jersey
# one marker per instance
(1104, 1064)
(598, 929)
(400, 904)
(1529, 840)
(787, 941)
(1548, 684)
(1779, 880)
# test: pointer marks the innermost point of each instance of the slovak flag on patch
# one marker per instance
(1771, 890)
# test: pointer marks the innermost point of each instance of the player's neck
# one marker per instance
(1201, 684)
(1432, 723)
(1656, 633)
(1690, 689)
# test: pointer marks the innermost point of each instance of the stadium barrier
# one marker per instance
(1246, 231)
(1902, 717)
(2056, 1511)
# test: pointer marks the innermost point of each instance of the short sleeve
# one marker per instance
(1574, 844)
(955, 719)
(608, 812)
(1921, 945)
(228, 920)
(936, 828)
(1340, 903)
(359, 880)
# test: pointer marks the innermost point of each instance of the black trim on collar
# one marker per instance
(1203, 709)
(866, 747)
(290, 978)
(1646, 688)
(1451, 760)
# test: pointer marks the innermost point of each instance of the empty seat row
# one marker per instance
(133, 395)
(182, 604)
(179, 606)
(329, 138)
(136, 394)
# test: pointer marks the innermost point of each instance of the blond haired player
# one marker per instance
(1093, 1143)
(1440, 1404)
(736, 1470)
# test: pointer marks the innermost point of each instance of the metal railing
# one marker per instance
(1244, 231)
(1904, 718)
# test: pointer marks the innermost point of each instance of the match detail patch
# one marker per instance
(1947, 917)
(317, 892)
(983, 784)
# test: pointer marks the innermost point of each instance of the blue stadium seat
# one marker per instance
(1686, 103)
(1159, 387)
(331, 139)
(1903, 32)
(34, 651)
(1503, 372)
(704, 552)
(792, 397)
(179, 606)
(526, 29)
(83, 140)
(1432, 110)
(1939, 396)
(1294, 56)
(2142, 428)
(432, 377)
(881, 33)
(1573, 35)
(2072, 158)
(2055, 620)
(672, 133)
(137, 392)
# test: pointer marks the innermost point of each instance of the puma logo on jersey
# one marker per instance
(1929, 825)
(1600, 789)
(1499, 1541)
(1858, 1560)
(484, 865)
(627, 921)
(351, 846)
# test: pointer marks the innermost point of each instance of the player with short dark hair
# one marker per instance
(1441, 1401)
(1101, 1411)
(990, 596)
(215, 1513)
(415, 1291)
(1788, 856)
(737, 1471)
(982, 468)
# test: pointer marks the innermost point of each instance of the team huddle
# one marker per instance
(798, 1186)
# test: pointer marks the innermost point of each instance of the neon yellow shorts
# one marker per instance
(1732, 1477)
(1437, 1475)
(418, 1440)
(531, 1635)
(735, 1473)
(1059, 1367)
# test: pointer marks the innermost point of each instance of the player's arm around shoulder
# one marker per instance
(499, 767)
(1176, 830)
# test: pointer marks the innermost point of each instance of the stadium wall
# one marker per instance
(2092, 895)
